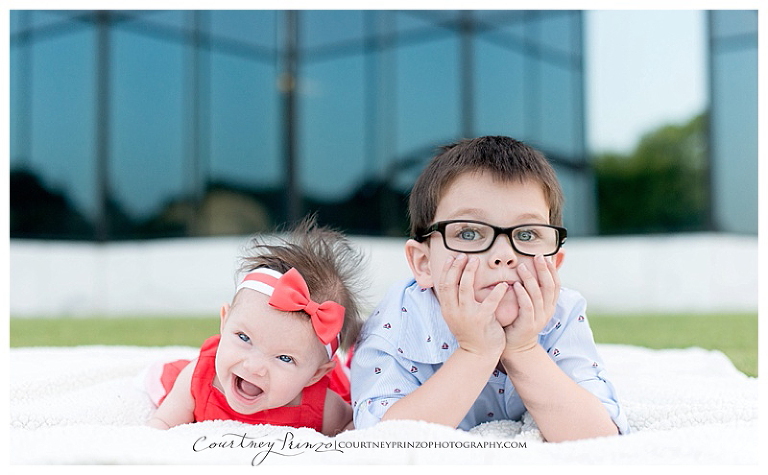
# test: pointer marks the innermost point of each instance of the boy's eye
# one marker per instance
(285, 359)
(469, 234)
(244, 337)
(525, 235)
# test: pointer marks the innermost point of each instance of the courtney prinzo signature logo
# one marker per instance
(286, 446)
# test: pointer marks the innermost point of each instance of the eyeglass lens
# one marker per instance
(475, 237)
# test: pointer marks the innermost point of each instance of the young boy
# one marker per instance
(483, 330)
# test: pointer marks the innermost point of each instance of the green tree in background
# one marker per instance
(660, 187)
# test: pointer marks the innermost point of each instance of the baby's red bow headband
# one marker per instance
(289, 292)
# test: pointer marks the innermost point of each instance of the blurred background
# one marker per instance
(146, 145)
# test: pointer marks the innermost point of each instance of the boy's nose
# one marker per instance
(502, 253)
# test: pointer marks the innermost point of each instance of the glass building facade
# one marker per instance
(178, 123)
(129, 125)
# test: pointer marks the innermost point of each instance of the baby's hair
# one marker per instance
(505, 158)
(330, 265)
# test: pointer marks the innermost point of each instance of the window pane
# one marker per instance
(559, 114)
(55, 196)
(173, 20)
(147, 167)
(428, 99)
(63, 115)
(250, 27)
(731, 23)
(245, 114)
(333, 160)
(556, 32)
(323, 28)
(424, 23)
(734, 141)
(43, 18)
(499, 81)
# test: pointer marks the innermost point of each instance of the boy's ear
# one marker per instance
(417, 255)
(224, 312)
(559, 257)
(321, 371)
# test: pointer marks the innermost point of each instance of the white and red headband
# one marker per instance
(289, 292)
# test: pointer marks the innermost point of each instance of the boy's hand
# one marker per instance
(537, 297)
(472, 323)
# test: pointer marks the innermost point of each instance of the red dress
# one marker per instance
(211, 404)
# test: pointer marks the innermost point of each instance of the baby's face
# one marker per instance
(266, 356)
(478, 197)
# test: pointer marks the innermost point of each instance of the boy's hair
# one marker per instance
(506, 159)
(331, 267)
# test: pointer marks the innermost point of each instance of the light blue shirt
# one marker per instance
(406, 340)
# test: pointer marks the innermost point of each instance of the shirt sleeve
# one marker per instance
(572, 346)
(379, 378)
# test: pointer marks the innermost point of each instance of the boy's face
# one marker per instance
(478, 197)
(266, 356)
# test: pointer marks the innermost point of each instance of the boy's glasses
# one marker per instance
(476, 236)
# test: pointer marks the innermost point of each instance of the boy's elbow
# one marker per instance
(364, 419)
(606, 430)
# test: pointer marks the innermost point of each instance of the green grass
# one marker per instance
(134, 331)
(733, 334)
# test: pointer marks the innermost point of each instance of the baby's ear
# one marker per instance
(417, 254)
(224, 312)
(321, 371)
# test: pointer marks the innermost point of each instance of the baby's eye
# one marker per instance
(244, 337)
(285, 359)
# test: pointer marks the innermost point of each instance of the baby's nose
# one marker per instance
(255, 365)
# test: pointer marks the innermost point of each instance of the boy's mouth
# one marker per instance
(508, 282)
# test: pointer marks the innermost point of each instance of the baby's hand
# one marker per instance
(471, 322)
(537, 297)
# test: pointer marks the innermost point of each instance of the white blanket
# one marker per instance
(81, 406)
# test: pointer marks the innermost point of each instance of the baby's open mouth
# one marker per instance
(248, 390)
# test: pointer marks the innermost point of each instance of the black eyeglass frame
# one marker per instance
(439, 226)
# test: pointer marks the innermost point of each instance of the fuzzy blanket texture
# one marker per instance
(82, 406)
